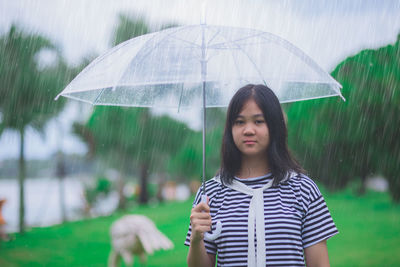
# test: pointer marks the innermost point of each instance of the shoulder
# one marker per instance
(213, 187)
(306, 187)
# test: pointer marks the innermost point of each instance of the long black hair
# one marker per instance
(279, 157)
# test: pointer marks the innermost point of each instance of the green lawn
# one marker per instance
(369, 229)
(369, 236)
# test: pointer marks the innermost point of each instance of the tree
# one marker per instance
(388, 68)
(93, 132)
(126, 29)
(360, 136)
(27, 92)
(187, 162)
(129, 27)
(136, 140)
(131, 138)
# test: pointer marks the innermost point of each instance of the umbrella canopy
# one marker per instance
(168, 69)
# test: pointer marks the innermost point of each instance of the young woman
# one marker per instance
(272, 214)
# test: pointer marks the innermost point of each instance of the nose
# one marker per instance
(248, 129)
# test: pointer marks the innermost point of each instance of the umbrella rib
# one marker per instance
(310, 62)
(101, 57)
(237, 40)
(252, 62)
(236, 65)
(194, 45)
(158, 44)
(212, 38)
(185, 41)
(123, 72)
(114, 49)
(180, 98)
(98, 96)
(308, 98)
(223, 46)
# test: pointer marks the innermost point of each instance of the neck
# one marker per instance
(253, 167)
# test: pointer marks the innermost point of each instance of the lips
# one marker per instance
(249, 142)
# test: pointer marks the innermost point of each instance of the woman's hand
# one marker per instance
(200, 220)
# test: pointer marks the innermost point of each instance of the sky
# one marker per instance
(328, 31)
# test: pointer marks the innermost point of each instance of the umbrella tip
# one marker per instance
(56, 98)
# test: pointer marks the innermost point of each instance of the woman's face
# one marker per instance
(250, 131)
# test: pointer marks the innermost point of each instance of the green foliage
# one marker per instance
(187, 162)
(26, 92)
(342, 141)
(129, 27)
(100, 188)
(131, 138)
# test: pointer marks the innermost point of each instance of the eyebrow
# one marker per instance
(254, 116)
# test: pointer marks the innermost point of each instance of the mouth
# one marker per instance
(249, 142)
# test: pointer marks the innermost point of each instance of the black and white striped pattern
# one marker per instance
(296, 217)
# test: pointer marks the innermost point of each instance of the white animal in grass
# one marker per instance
(135, 235)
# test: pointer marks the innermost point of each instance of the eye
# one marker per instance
(259, 121)
(239, 122)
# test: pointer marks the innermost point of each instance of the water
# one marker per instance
(42, 201)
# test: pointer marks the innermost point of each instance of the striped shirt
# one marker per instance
(296, 217)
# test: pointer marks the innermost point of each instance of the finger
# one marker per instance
(202, 223)
(200, 215)
(202, 207)
(201, 228)
(197, 221)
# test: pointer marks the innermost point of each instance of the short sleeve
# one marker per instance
(209, 245)
(317, 224)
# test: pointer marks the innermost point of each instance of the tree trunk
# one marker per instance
(161, 184)
(21, 178)
(121, 182)
(61, 173)
(121, 196)
(363, 186)
(144, 171)
(394, 187)
(62, 200)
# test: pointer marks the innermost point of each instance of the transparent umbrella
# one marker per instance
(168, 69)
(199, 66)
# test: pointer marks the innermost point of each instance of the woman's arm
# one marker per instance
(198, 255)
(317, 255)
(200, 220)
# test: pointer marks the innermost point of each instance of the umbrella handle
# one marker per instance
(218, 228)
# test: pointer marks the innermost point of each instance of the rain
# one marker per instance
(69, 169)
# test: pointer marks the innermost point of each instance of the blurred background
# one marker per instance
(68, 170)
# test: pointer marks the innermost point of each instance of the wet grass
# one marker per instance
(369, 229)
(87, 242)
